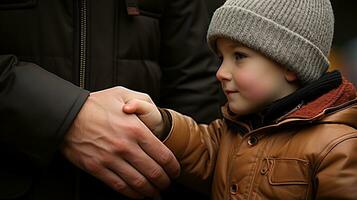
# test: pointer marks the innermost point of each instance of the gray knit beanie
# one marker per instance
(295, 33)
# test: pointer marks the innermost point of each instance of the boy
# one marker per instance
(289, 129)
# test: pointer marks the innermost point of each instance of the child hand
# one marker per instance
(147, 112)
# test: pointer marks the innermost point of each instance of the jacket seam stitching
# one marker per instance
(325, 152)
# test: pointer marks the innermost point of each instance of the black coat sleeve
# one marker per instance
(36, 110)
(189, 83)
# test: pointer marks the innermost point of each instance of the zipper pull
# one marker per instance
(132, 7)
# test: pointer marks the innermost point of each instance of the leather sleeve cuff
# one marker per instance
(167, 120)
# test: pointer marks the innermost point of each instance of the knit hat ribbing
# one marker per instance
(295, 33)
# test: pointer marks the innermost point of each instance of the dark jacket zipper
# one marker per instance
(82, 71)
(83, 44)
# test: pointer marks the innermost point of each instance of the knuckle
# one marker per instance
(121, 147)
(139, 183)
(131, 128)
(92, 166)
(119, 88)
(155, 174)
(146, 96)
(166, 158)
(136, 132)
(119, 186)
(177, 171)
(106, 160)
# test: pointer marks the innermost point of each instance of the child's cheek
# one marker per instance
(252, 86)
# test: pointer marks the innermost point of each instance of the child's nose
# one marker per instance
(222, 73)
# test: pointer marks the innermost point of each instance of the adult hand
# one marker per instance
(118, 148)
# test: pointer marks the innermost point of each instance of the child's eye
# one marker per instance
(220, 60)
(239, 56)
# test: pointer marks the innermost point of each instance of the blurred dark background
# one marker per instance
(344, 51)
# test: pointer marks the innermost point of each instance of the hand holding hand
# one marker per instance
(146, 111)
(118, 148)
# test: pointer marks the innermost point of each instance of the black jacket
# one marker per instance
(50, 48)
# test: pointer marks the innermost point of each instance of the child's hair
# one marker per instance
(297, 34)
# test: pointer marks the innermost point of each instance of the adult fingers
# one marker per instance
(133, 177)
(153, 147)
(161, 154)
(149, 168)
(112, 180)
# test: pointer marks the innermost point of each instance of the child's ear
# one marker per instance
(290, 76)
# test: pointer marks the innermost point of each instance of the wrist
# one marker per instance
(158, 131)
(164, 128)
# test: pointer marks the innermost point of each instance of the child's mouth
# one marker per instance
(228, 92)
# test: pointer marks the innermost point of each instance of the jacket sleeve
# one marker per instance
(336, 177)
(189, 84)
(36, 109)
(195, 145)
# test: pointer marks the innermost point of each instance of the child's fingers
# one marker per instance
(147, 113)
(129, 109)
(132, 107)
(139, 107)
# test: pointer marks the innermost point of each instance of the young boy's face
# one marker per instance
(250, 80)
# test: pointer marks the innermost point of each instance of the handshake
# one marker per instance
(112, 139)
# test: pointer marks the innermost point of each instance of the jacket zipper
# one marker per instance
(82, 67)
(291, 111)
(83, 44)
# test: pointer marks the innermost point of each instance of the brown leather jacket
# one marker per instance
(310, 153)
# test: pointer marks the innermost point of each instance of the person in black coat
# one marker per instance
(63, 135)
